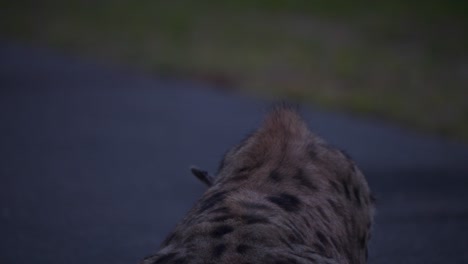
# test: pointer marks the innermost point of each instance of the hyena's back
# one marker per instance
(281, 196)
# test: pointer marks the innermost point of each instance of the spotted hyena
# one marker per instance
(282, 195)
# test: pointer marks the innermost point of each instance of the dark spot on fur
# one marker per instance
(189, 239)
(221, 218)
(212, 200)
(165, 258)
(286, 261)
(221, 231)
(223, 209)
(321, 237)
(304, 180)
(254, 206)
(254, 219)
(241, 249)
(180, 261)
(362, 241)
(357, 196)
(218, 250)
(295, 239)
(275, 176)
(345, 187)
(287, 202)
(238, 178)
(243, 170)
(312, 151)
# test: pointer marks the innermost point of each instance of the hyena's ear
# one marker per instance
(202, 175)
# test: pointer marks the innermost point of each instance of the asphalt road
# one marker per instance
(94, 164)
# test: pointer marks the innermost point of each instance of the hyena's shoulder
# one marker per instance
(281, 196)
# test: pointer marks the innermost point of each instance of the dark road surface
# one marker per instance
(94, 164)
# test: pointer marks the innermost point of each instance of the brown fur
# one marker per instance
(281, 196)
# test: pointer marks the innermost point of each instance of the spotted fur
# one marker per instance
(281, 196)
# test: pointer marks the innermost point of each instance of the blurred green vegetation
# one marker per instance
(405, 61)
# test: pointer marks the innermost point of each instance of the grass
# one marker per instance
(405, 62)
